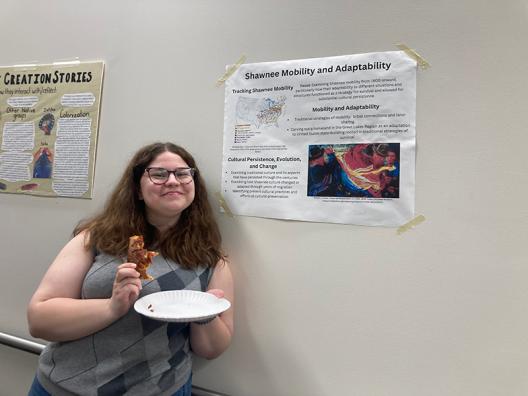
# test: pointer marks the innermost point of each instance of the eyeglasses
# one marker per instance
(161, 175)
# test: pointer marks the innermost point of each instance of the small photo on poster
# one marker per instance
(366, 170)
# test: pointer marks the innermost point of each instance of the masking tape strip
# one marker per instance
(223, 204)
(413, 54)
(230, 71)
(26, 66)
(33, 65)
(67, 62)
(414, 222)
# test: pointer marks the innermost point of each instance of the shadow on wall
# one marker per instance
(260, 352)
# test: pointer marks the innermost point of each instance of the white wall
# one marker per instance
(322, 309)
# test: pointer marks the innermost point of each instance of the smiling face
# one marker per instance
(164, 203)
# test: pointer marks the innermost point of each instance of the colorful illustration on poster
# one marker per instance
(46, 123)
(43, 160)
(370, 170)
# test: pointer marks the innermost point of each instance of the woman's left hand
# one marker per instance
(211, 340)
(219, 293)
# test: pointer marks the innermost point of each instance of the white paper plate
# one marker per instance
(181, 305)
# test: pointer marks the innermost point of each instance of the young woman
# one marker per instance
(84, 304)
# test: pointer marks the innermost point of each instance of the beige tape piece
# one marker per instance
(26, 66)
(223, 204)
(67, 62)
(61, 62)
(413, 54)
(230, 71)
(414, 222)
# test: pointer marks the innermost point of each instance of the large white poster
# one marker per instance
(327, 139)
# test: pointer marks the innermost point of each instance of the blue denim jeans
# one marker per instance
(186, 388)
(37, 389)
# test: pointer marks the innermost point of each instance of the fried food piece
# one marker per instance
(140, 256)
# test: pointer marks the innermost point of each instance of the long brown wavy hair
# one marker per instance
(193, 241)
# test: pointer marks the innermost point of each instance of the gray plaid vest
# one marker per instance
(134, 355)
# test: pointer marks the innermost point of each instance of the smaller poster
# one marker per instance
(324, 139)
(49, 118)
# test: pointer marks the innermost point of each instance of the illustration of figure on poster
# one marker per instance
(42, 160)
(323, 171)
(368, 170)
(46, 123)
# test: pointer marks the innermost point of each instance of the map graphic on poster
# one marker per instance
(324, 139)
(260, 112)
(49, 117)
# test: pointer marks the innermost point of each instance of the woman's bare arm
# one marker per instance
(56, 311)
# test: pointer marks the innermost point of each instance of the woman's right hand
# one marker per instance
(57, 311)
(127, 286)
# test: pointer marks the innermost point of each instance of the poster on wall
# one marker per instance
(49, 117)
(326, 139)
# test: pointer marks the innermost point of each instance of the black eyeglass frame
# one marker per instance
(192, 172)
